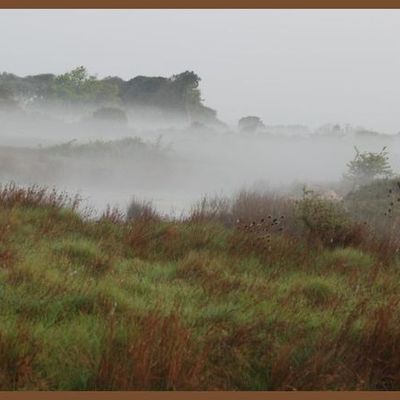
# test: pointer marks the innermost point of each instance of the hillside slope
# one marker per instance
(165, 305)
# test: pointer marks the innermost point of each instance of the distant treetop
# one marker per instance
(179, 94)
(250, 124)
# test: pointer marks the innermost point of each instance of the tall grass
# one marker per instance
(247, 293)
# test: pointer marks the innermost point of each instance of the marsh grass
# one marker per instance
(200, 303)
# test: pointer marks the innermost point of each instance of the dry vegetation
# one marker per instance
(250, 293)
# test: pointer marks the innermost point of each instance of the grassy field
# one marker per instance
(261, 294)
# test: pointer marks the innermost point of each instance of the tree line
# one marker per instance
(178, 94)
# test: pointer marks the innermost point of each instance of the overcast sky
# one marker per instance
(287, 66)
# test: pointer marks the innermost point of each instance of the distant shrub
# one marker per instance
(328, 221)
(250, 124)
(367, 166)
(374, 200)
(142, 210)
(377, 207)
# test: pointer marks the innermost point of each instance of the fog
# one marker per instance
(288, 66)
(321, 81)
(174, 166)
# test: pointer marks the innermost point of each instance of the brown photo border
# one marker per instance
(201, 4)
(212, 395)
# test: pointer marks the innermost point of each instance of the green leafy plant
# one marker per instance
(367, 166)
(326, 221)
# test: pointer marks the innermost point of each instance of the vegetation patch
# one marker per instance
(197, 303)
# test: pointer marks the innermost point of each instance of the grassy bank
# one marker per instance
(303, 297)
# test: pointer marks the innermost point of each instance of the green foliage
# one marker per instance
(187, 87)
(77, 86)
(17, 86)
(174, 305)
(40, 87)
(141, 210)
(367, 166)
(325, 220)
(378, 200)
(179, 94)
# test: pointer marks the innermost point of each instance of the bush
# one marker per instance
(368, 166)
(327, 221)
(250, 124)
(375, 200)
(142, 210)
